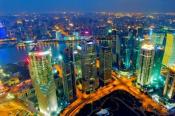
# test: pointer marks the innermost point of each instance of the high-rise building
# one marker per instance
(41, 73)
(77, 61)
(146, 62)
(112, 34)
(105, 61)
(169, 56)
(127, 51)
(172, 57)
(90, 81)
(68, 74)
(65, 71)
(169, 87)
(158, 57)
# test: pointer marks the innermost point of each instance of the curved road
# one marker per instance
(119, 84)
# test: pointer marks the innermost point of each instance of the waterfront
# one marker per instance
(14, 54)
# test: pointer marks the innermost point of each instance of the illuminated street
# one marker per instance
(120, 83)
(11, 107)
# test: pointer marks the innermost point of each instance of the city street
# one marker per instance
(120, 83)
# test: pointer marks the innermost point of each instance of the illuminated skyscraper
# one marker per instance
(146, 62)
(105, 61)
(112, 34)
(41, 73)
(169, 56)
(68, 74)
(169, 88)
(172, 57)
(127, 52)
(90, 81)
(159, 52)
(77, 61)
(158, 57)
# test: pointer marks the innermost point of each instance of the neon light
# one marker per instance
(86, 32)
(42, 53)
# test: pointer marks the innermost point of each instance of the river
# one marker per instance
(14, 54)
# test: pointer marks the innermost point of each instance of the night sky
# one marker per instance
(41, 6)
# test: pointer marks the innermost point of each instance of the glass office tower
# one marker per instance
(68, 73)
(90, 81)
(127, 51)
(41, 73)
(105, 60)
(146, 62)
(169, 89)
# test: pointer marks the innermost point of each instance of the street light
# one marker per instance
(60, 57)
(110, 31)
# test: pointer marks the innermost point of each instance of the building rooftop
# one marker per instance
(147, 44)
(172, 69)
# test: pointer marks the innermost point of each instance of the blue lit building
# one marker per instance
(127, 50)
(158, 58)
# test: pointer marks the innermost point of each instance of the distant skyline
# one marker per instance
(42, 6)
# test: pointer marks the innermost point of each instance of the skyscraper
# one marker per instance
(90, 81)
(68, 74)
(158, 57)
(41, 73)
(158, 37)
(77, 61)
(169, 57)
(105, 61)
(112, 34)
(146, 62)
(169, 87)
(127, 51)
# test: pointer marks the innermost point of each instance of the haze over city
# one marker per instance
(42, 6)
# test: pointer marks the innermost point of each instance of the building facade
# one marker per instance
(90, 81)
(68, 74)
(146, 63)
(105, 61)
(169, 87)
(42, 78)
(127, 52)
